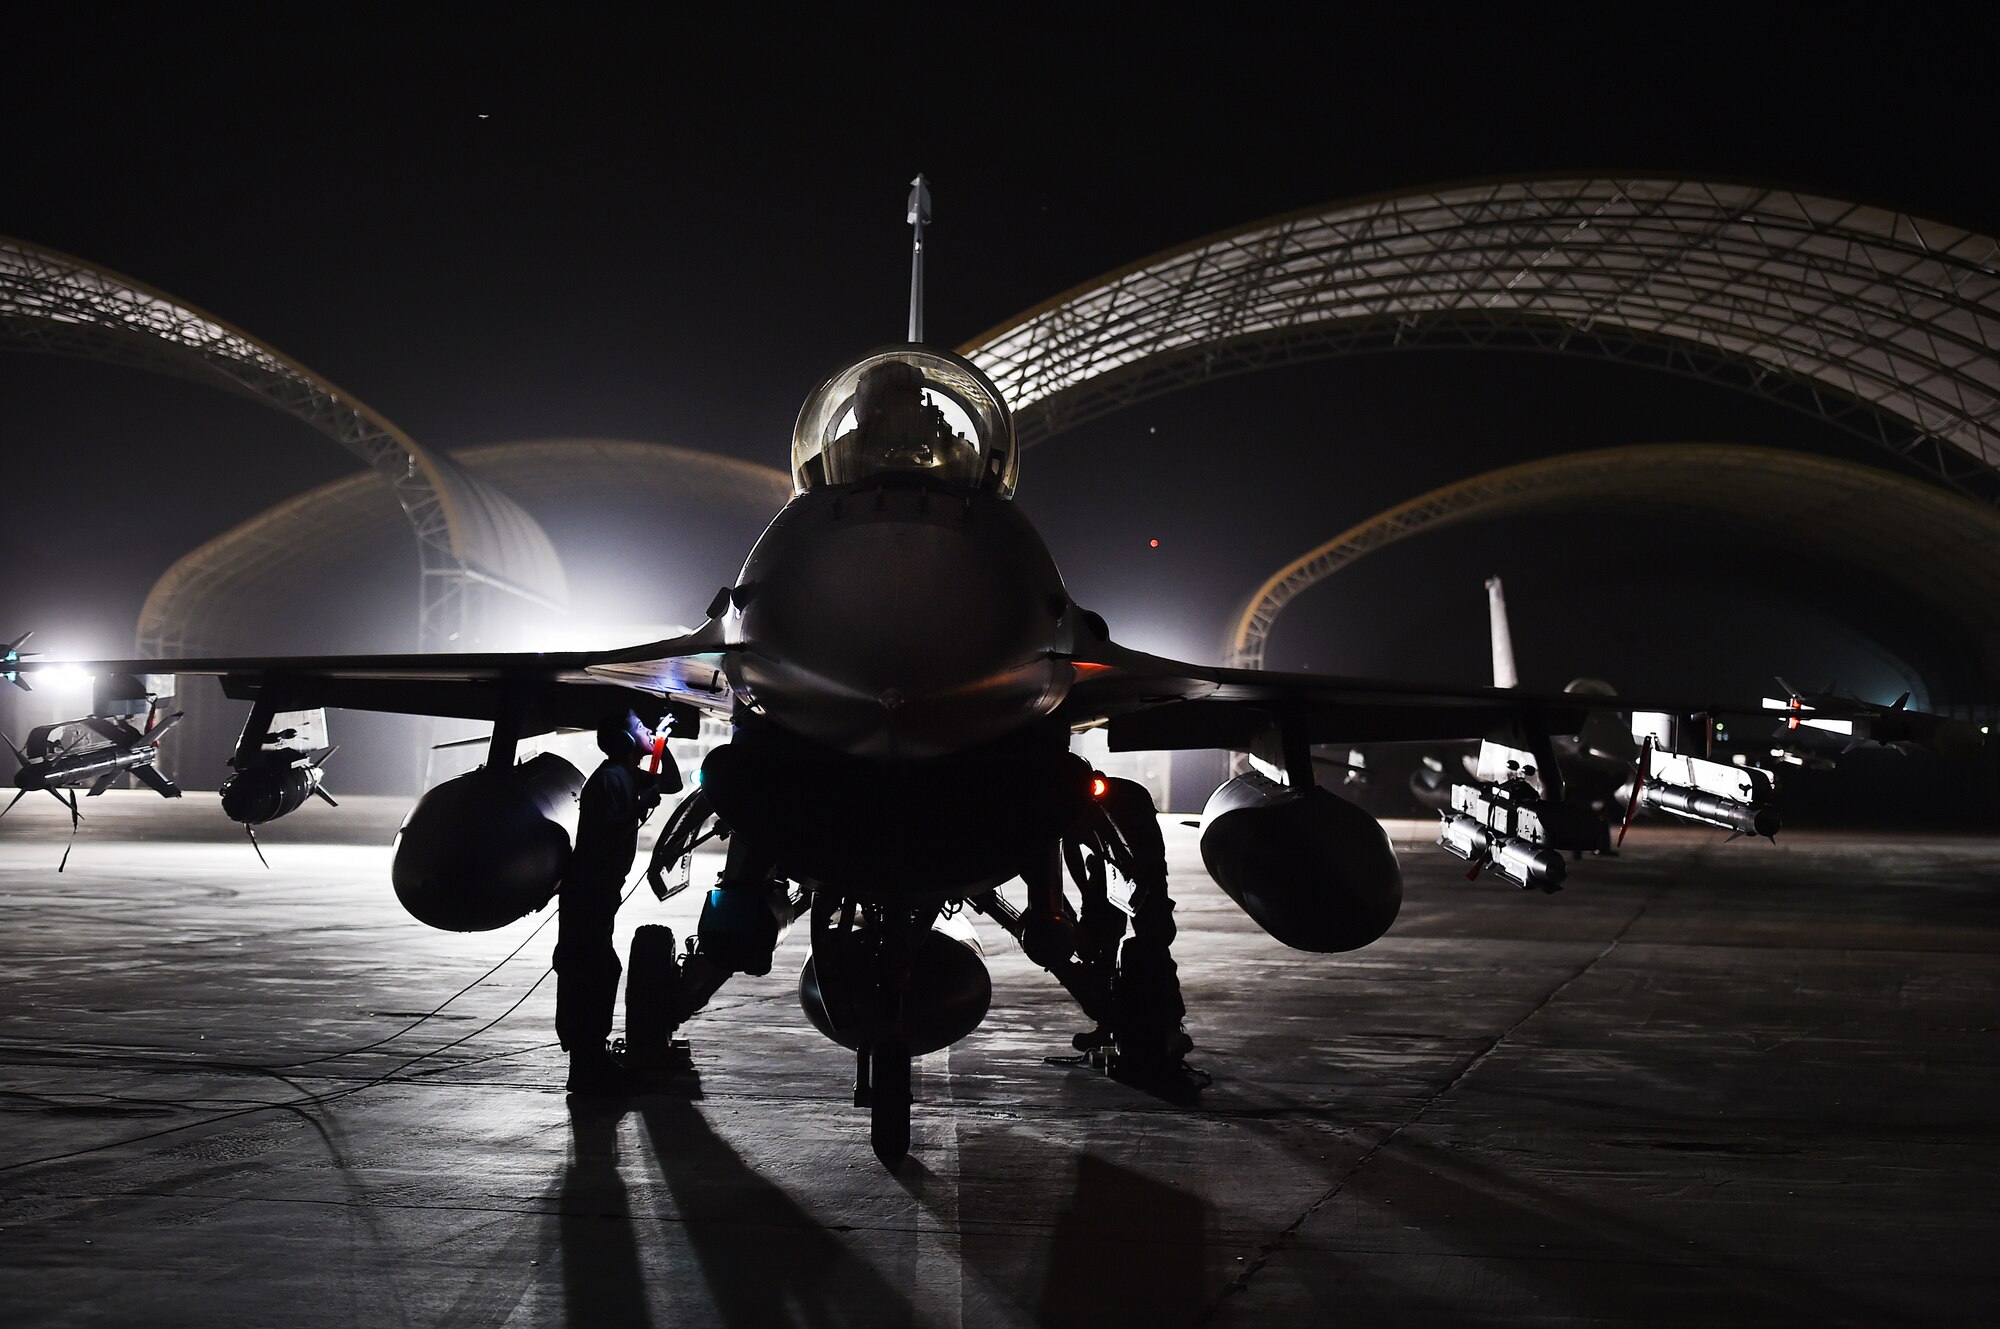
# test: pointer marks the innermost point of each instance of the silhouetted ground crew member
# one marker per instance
(616, 799)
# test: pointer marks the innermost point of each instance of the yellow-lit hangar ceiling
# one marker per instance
(214, 597)
(1880, 322)
(1940, 550)
(471, 537)
(288, 575)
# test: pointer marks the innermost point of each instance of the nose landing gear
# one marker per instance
(864, 957)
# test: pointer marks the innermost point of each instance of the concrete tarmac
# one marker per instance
(1722, 1084)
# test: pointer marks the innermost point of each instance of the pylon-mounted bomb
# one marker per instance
(1734, 798)
(1506, 823)
(274, 788)
(278, 765)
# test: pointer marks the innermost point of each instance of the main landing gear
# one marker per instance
(1128, 986)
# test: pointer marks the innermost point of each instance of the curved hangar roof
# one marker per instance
(1884, 323)
(465, 527)
(218, 595)
(1942, 550)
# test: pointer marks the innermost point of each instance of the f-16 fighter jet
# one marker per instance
(902, 668)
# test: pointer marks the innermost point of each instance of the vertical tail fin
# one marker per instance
(1503, 637)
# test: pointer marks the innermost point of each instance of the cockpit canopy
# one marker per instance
(906, 411)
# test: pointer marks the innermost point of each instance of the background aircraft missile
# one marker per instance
(10, 656)
(1809, 737)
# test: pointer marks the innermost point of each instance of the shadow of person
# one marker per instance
(1126, 1249)
(767, 1262)
(601, 1277)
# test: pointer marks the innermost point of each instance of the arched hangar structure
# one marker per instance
(470, 536)
(1937, 549)
(679, 520)
(1885, 324)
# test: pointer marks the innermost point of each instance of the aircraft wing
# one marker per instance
(547, 690)
(1151, 702)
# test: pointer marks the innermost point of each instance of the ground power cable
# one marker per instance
(332, 1096)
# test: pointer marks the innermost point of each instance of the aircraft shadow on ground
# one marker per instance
(1124, 1248)
(765, 1260)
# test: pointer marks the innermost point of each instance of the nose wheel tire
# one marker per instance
(889, 1102)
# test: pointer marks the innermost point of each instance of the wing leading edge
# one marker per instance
(538, 691)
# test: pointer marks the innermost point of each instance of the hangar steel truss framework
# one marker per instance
(1882, 323)
(471, 538)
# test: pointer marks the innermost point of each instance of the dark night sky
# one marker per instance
(508, 224)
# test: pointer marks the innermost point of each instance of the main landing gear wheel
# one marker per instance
(889, 1103)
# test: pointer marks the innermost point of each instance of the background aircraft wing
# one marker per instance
(548, 690)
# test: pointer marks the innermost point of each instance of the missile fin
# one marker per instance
(75, 820)
(157, 782)
(11, 654)
(112, 728)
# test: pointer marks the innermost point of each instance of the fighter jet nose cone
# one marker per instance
(901, 621)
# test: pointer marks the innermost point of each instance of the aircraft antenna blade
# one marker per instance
(919, 215)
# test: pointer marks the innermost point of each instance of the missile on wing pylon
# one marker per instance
(93, 750)
(96, 749)
(1820, 727)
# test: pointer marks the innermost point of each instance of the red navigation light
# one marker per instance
(1099, 786)
(1156, 544)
